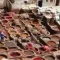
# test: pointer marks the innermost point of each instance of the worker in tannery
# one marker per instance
(2, 36)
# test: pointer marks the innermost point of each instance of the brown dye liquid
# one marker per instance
(35, 22)
(51, 43)
(54, 37)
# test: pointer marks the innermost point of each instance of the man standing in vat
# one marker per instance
(2, 36)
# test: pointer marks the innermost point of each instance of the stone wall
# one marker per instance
(19, 3)
(49, 3)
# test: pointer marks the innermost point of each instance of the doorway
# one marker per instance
(57, 2)
(40, 3)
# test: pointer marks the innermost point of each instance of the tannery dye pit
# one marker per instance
(29, 32)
